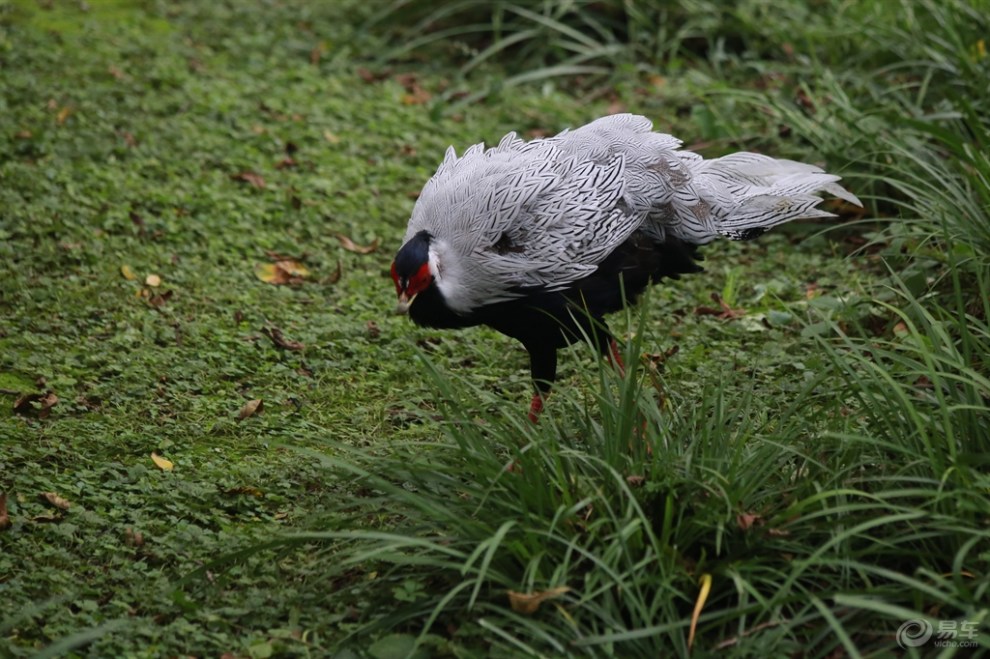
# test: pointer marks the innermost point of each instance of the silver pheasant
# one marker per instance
(519, 235)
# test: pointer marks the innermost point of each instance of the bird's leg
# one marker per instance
(543, 368)
(536, 405)
(615, 357)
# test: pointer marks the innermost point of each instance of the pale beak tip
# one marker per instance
(403, 305)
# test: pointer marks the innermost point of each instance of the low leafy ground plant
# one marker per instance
(198, 206)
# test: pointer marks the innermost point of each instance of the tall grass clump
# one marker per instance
(632, 514)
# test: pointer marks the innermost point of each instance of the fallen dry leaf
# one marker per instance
(162, 463)
(528, 603)
(275, 334)
(252, 178)
(153, 281)
(335, 275)
(282, 272)
(128, 274)
(116, 72)
(158, 300)
(706, 586)
(56, 500)
(747, 520)
(374, 331)
(46, 401)
(245, 489)
(63, 114)
(635, 480)
(331, 137)
(250, 408)
(133, 538)
(285, 163)
(4, 517)
(352, 246)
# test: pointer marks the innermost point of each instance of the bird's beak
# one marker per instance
(404, 302)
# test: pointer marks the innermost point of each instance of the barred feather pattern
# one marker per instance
(545, 213)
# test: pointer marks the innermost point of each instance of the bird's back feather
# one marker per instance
(546, 213)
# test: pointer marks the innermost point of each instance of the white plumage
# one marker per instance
(545, 213)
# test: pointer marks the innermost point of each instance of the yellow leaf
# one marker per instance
(163, 464)
(528, 603)
(268, 273)
(128, 273)
(63, 114)
(293, 268)
(281, 272)
(706, 586)
(153, 280)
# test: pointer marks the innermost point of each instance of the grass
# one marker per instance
(820, 461)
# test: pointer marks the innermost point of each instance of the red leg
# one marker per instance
(536, 407)
(615, 357)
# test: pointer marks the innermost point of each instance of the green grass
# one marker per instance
(822, 458)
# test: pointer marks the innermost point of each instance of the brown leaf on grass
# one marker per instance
(24, 134)
(249, 490)
(335, 275)
(162, 463)
(56, 500)
(158, 300)
(746, 521)
(250, 408)
(725, 312)
(127, 273)
(4, 517)
(133, 538)
(116, 72)
(46, 401)
(374, 331)
(252, 178)
(352, 246)
(63, 114)
(811, 290)
(286, 163)
(153, 281)
(635, 480)
(528, 603)
(286, 271)
(656, 360)
(275, 334)
(415, 94)
(369, 76)
(332, 138)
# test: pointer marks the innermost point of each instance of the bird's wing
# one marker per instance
(520, 216)
(696, 200)
(545, 213)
